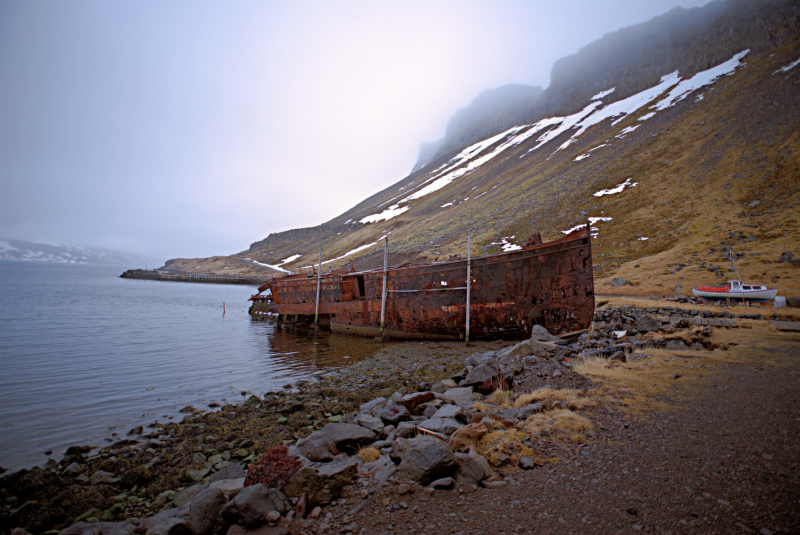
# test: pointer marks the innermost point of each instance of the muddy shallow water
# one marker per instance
(85, 354)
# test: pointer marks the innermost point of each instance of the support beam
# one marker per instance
(469, 279)
(385, 268)
(319, 281)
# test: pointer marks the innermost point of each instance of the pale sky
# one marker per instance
(185, 129)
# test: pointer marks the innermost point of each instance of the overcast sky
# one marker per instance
(195, 128)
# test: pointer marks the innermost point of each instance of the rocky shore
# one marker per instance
(415, 418)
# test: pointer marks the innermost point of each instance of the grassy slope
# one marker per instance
(698, 165)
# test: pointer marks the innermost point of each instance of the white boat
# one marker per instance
(736, 290)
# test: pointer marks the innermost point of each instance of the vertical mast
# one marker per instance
(319, 280)
(469, 277)
(385, 267)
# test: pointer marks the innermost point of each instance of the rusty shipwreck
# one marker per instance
(548, 284)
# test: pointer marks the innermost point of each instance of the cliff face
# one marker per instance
(488, 114)
(632, 59)
(684, 40)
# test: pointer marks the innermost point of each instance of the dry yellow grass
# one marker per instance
(559, 424)
(502, 398)
(547, 397)
(498, 445)
(369, 454)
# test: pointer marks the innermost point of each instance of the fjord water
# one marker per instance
(85, 354)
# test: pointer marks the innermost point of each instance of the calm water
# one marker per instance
(84, 354)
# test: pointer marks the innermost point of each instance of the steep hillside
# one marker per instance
(697, 160)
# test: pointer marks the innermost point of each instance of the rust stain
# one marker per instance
(549, 284)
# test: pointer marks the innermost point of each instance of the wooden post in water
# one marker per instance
(385, 267)
(319, 281)
(469, 279)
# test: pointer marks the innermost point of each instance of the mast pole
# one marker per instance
(385, 268)
(469, 278)
(319, 281)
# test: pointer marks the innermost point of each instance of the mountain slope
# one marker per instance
(702, 146)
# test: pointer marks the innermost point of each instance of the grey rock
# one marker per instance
(202, 513)
(527, 410)
(495, 484)
(183, 497)
(443, 483)
(461, 396)
(443, 386)
(675, 345)
(472, 469)
(169, 525)
(369, 405)
(540, 334)
(556, 373)
(322, 484)
(252, 505)
(405, 430)
(430, 411)
(231, 487)
(509, 414)
(101, 477)
(526, 463)
(427, 459)
(372, 423)
(412, 401)
(487, 378)
(394, 414)
(445, 426)
(619, 355)
(448, 411)
(646, 324)
(616, 282)
(317, 447)
(229, 471)
(349, 437)
(92, 528)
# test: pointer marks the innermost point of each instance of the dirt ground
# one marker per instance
(711, 446)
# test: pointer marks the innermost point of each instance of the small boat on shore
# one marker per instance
(736, 290)
(549, 284)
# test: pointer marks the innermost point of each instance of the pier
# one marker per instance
(192, 277)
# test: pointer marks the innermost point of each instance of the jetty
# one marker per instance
(152, 274)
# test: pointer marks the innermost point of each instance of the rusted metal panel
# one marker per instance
(549, 284)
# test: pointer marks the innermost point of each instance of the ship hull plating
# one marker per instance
(548, 284)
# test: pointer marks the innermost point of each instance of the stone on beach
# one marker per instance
(252, 505)
(317, 447)
(349, 437)
(323, 483)
(426, 459)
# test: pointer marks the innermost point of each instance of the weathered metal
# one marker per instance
(548, 284)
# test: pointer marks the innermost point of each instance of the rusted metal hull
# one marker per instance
(548, 284)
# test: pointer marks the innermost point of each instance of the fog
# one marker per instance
(184, 129)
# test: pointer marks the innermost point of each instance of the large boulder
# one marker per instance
(472, 468)
(323, 483)
(98, 528)
(349, 437)
(202, 513)
(318, 447)
(252, 505)
(427, 459)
